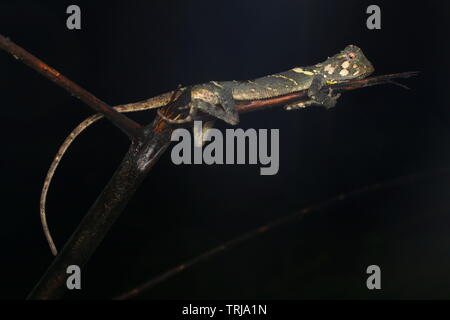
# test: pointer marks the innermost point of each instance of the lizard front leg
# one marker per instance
(320, 98)
(316, 96)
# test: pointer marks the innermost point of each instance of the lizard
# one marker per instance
(219, 99)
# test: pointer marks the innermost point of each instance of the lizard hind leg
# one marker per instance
(223, 110)
(226, 100)
(203, 135)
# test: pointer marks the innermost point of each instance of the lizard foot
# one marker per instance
(189, 117)
(332, 99)
(326, 100)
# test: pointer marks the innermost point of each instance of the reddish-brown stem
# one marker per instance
(247, 106)
(131, 128)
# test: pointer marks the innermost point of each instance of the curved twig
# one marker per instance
(272, 225)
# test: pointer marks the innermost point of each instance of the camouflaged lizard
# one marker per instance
(219, 98)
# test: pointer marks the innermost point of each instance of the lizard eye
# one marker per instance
(351, 55)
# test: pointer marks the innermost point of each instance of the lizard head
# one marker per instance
(350, 63)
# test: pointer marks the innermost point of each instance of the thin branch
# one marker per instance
(247, 106)
(297, 216)
(147, 145)
(257, 105)
(131, 128)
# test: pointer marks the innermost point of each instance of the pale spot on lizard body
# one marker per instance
(217, 84)
(328, 68)
(343, 72)
(345, 64)
(284, 77)
(300, 70)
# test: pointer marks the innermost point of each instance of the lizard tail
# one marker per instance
(51, 171)
(151, 103)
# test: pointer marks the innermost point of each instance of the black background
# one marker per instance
(132, 50)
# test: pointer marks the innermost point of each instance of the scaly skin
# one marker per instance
(349, 64)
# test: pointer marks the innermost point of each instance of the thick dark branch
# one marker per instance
(297, 216)
(128, 126)
(138, 161)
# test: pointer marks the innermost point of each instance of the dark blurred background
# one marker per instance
(131, 50)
